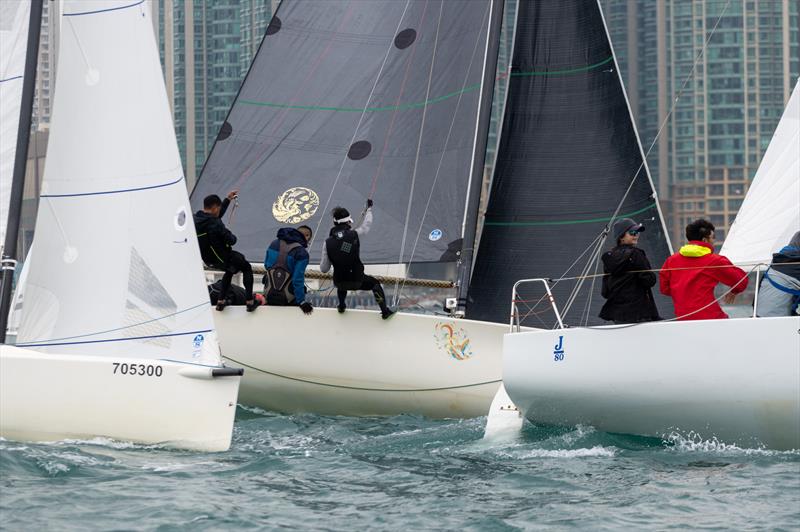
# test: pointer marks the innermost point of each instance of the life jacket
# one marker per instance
(343, 250)
(278, 279)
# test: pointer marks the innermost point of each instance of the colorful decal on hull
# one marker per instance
(452, 340)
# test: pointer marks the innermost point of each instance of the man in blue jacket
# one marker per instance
(286, 261)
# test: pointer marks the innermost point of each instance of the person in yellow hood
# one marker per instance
(690, 275)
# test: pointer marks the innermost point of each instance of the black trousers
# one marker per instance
(237, 263)
(367, 283)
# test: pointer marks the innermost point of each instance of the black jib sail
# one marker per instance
(569, 158)
(354, 99)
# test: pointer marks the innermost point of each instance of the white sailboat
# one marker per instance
(736, 380)
(115, 338)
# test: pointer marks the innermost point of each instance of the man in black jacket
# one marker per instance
(216, 243)
(628, 290)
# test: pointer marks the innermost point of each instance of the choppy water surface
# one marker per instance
(317, 472)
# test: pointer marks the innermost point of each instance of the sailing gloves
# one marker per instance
(306, 307)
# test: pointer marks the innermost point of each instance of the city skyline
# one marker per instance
(701, 163)
(718, 108)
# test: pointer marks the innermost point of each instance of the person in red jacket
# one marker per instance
(690, 276)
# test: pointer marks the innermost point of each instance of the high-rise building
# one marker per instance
(720, 116)
(206, 48)
(46, 65)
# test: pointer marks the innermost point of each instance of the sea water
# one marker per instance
(404, 472)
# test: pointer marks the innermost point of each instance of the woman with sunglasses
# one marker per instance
(626, 287)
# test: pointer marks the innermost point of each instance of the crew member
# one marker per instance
(286, 261)
(690, 276)
(341, 251)
(627, 285)
(216, 242)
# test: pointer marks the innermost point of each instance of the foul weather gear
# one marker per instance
(628, 291)
(277, 288)
(215, 240)
(779, 293)
(690, 276)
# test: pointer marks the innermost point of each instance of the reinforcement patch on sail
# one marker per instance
(354, 99)
(568, 153)
(147, 305)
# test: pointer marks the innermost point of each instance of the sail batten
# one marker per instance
(331, 113)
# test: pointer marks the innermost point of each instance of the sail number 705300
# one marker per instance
(146, 370)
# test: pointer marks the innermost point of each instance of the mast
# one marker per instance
(479, 154)
(20, 159)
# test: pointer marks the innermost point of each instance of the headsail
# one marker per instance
(13, 39)
(770, 214)
(115, 267)
(349, 99)
(568, 154)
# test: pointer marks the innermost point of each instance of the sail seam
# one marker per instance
(114, 339)
(81, 13)
(569, 222)
(417, 105)
(10, 79)
(107, 192)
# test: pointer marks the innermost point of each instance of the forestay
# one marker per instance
(569, 159)
(13, 39)
(115, 268)
(770, 214)
(350, 99)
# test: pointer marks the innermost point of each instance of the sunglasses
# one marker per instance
(633, 232)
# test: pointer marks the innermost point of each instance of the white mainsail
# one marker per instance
(770, 214)
(14, 19)
(115, 269)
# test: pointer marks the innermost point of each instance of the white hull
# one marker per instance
(54, 397)
(734, 380)
(356, 364)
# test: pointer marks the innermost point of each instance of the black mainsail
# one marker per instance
(355, 99)
(569, 159)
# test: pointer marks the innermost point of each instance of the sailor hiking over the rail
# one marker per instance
(341, 251)
(286, 261)
(216, 247)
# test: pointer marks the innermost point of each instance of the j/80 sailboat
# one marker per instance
(115, 336)
(390, 100)
(733, 380)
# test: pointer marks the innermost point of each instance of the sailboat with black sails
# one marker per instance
(386, 100)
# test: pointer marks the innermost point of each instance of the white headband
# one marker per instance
(343, 220)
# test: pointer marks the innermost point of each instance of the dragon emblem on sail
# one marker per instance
(295, 205)
(452, 340)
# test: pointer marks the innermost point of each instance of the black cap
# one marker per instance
(623, 225)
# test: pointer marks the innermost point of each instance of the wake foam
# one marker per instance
(692, 442)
